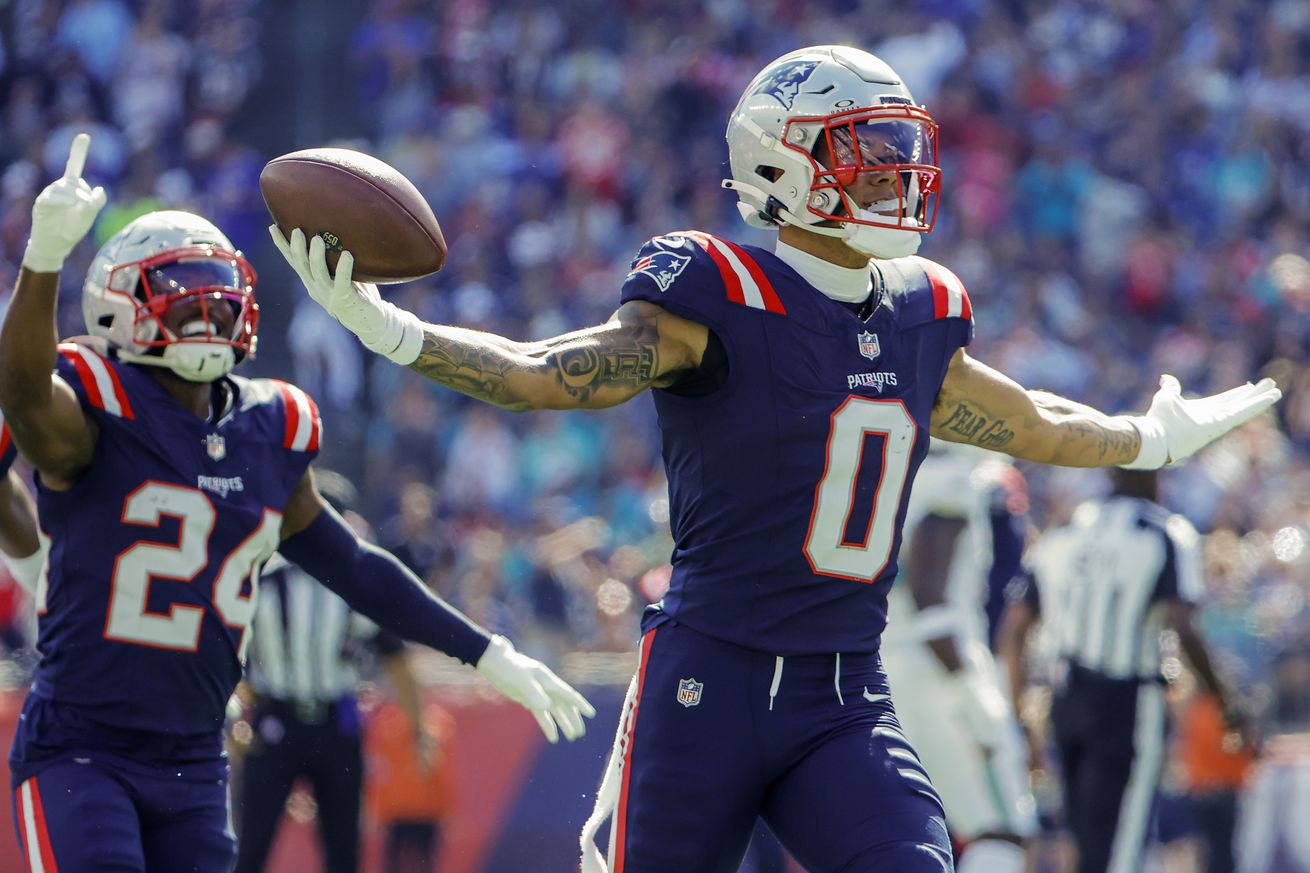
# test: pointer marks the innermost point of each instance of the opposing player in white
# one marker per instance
(945, 683)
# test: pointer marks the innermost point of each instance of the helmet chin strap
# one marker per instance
(194, 362)
(876, 242)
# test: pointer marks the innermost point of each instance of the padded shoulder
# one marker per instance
(924, 291)
(699, 276)
(95, 378)
(292, 412)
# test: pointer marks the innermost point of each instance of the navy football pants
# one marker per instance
(721, 735)
(89, 818)
(93, 799)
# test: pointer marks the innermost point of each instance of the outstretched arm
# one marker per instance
(984, 407)
(374, 583)
(641, 346)
(47, 422)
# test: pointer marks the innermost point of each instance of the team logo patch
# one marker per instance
(869, 345)
(216, 446)
(785, 82)
(663, 267)
(670, 241)
(689, 692)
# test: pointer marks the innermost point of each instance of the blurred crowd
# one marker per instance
(1125, 195)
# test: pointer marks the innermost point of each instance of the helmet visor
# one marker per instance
(192, 294)
(876, 166)
(193, 274)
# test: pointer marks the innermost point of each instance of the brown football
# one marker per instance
(359, 204)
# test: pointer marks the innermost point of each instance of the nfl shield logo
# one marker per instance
(869, 345)
(216, 446)
(689, 692)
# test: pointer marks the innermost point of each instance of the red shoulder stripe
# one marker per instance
(104, 389)
(948, 295)
(745, 281)
(730, 279)
(767, 294)
(303, 425)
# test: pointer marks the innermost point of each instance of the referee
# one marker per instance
(306, 653)
(1106, 586)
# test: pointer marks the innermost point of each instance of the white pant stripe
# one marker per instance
(34, 863)
(607, 796)
(1143, 779)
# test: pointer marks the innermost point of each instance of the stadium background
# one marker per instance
(1125, 194)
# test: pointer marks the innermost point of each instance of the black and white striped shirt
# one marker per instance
(1103, 579)
(306, 644)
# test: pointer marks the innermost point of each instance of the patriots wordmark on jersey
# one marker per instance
(154, 553)
(788, 485)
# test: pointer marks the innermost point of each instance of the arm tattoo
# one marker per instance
(583, 370)
(466, 367)
(618, 355)
(978, 429)
(628, 357)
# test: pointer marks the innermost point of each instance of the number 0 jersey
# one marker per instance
(154, 553)
(788, 484)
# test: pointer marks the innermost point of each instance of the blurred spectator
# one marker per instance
(1125, 194)
(407, 796)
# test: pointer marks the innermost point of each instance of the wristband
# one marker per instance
(1154, 451)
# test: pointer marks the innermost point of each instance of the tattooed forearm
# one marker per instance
(582, 371)
(977, 428)
(468, 367)
(1109, 447)
(598, 366)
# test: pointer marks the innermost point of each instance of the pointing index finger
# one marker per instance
(77, 157)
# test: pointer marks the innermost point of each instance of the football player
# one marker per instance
(164, 484)
(944, 679)
(20, 545)
(795, 390)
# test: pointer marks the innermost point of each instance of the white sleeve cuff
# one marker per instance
(1154, 451)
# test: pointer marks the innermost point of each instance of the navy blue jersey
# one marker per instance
(143, 617)
(788, 485)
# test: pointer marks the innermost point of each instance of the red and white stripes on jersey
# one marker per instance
(104, 390)
(745, 281)
(303, 426)
(949, 297)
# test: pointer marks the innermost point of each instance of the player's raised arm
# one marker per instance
(983, 407)
(641, 346)
(376, 584)
(41, 410)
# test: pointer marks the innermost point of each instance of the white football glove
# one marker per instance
(1174, 428)
(980, 705)
(530, 683)
(63, 213)
(380, 325)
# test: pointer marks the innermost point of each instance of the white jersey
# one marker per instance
(984, 790)
(958, 482)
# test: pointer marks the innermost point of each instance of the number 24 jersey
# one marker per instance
(788, 484)
(154, 553)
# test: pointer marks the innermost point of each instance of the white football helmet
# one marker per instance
(828, 139)
(170, 291)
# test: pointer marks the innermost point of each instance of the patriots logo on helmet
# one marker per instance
(663, 267)
(784, 83)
